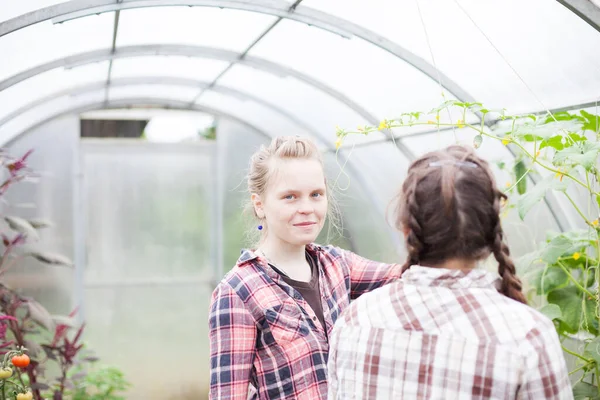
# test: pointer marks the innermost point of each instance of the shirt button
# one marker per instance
(314, 318)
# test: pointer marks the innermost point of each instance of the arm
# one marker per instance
(332, 365)
(367, 275)
(546, 376)
(232, 338)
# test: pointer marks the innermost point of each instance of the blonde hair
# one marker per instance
(263, 165)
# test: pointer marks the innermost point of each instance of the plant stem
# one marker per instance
(21, 341)
(579, 369)
(575, 280)
(576, 355)
(587, 221)
(477, 129)
(519, 180)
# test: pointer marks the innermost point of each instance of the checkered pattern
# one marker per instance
(445, 334)
(264, 336)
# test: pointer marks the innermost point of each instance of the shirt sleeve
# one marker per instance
(332, 361)
(546, 376)
(367, 275)
(232, 338)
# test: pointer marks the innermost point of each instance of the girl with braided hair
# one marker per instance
(447, 330)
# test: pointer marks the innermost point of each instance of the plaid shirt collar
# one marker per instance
(249, 257)
(249, 254)
(451, 278)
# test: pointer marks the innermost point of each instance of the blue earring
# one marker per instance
(260, 227)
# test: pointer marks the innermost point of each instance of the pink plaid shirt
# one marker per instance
(264, 335)
(445, 334)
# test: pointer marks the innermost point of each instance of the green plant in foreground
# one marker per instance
(560, 153)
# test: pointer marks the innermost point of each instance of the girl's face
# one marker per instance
(294, 204)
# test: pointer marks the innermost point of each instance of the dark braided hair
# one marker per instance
(450, 209)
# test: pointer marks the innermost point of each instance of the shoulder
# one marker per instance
(331, 254)
(376, 308)
(240, 280)
(523, 312)
(333, 259)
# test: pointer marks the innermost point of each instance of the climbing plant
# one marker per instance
(555, 154)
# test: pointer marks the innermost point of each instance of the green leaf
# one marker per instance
(531, 138)
(598, 199)
(556, 142)
(581, 237)
(520, 171)
(584, 154)
(561, 245)
(525, 261)
(578, 312)
(592, 122)
(563, 116)
(541, 130)
(533, 196)
(551, 311)
(549, 279)
(585, 391)
(592, 350)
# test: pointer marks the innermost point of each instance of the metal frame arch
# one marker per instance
(584, 9)
(201, 52)
(81, 8)
(158, 80)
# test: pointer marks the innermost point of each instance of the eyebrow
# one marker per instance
(322, 188)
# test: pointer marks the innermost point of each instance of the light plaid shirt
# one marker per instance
(264, 335)
(445, 334)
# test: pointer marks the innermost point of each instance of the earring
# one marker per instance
(260, 227)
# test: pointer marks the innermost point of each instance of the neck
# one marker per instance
(455, 263)
(283, 253)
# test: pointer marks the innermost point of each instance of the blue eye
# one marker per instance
(289, 197)
(317, 194)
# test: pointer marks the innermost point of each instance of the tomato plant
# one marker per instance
(21, 361)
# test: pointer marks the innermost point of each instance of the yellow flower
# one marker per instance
(460, 123)
(430, 122)
(505, 141)
(595, 222)
(576, 256)
(508, 184)
(538, 153)
(383, 125)
(559, 175)
(338, 144)
(437, 117)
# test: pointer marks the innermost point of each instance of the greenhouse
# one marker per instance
(110, 269)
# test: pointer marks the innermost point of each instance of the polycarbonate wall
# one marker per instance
(147, 275)
(49, 197)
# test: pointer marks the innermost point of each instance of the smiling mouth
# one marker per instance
(305, 224)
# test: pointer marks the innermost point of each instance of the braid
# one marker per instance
(511, 285)
(413, 242)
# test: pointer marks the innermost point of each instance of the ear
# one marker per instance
(405, 230)
(258, 205)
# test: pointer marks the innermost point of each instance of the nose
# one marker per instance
(305, 207)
